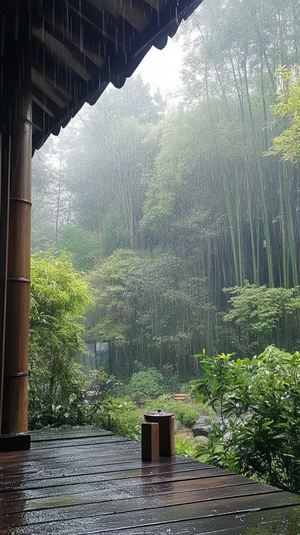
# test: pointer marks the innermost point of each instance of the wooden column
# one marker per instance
(5, 147)
(17, 79)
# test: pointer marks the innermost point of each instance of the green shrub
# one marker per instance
(186, 413)
(258, 400)
(185, 448)
(260, 316)
(58, 301)
(63, 403)
(146, 383)
(124, 417)
(73, 402)
(121, 416)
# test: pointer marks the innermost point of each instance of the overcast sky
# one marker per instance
(161, 68)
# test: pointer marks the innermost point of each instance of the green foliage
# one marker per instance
(77, 403)
(185, 447)
(121, 416)
(258, 402)
(56, 397)
(218, 374)
(84, 247)
(261, 316)
(287, 144)
(124, 417)
(146, 383)
(186, 413)
(112, 317)
(167, 178)
(148, 310)
(189, 194)
(170, 311)
(59, 298)
(94, 168)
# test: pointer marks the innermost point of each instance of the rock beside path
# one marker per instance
(203, 426)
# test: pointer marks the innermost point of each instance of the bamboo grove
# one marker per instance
(171, 209)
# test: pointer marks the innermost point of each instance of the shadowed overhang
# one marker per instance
(79, 46)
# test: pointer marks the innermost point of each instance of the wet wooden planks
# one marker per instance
(89, 481)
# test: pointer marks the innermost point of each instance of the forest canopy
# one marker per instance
(163, 207)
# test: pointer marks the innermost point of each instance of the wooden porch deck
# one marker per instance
(89, 481)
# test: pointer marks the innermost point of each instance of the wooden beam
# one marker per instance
(43, 106)
(158, 5)
(62, 52)
(45, 87)
(41, 119)
(53, 76)
(78, 36)
(138, 17)
(45, 103)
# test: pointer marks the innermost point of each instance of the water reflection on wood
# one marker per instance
(89, 481)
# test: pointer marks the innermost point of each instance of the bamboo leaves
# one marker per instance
(287, 144)
(263, 315)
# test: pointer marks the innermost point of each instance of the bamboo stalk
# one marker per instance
(5, 150)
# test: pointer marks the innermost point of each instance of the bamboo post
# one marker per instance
(17, 75)
(4, 212)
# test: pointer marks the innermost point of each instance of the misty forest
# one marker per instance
(167, 226)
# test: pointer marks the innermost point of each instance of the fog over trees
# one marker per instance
(185, 219)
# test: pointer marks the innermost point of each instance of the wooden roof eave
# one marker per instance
(103, 42)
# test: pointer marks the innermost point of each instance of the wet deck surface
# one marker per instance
(89, 481)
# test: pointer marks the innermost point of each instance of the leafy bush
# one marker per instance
(121, 416)
(260, 316)
(258, 400)
(57, 406)
(58, 301)
(124, 417)
(60, 392)
(146, 383)
(186, 413)
(75, 404)
(185, 448)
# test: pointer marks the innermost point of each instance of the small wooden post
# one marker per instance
(150, 441)
(165, 421)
